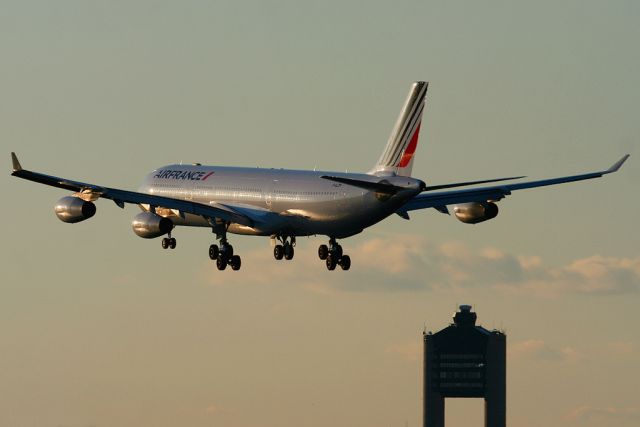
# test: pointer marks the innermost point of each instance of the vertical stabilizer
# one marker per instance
(397, 157)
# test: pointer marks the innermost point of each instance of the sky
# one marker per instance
(99, 327)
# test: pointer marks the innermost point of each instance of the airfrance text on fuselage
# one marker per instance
(184, 175)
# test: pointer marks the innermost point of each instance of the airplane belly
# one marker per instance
(339, 217)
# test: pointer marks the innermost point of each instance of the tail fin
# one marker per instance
(397, 157)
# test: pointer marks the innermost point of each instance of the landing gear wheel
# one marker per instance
(165, 243)
(221, 262)
(345, 262)
(288, 252)
(278, 252)
(331, 263)
(227, 251)
(323, 252)
(336, 251)
(213, 251)
(235, 262)
(172, 243)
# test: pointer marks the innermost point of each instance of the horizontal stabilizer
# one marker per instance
(378, 187)
(463, 184)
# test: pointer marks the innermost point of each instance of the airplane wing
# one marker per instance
(120, 197)
(493, 193)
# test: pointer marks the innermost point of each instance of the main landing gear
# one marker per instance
(224, 256)
(284, 250)
(169, 242)
(333, 255)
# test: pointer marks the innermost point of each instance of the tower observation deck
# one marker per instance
(465, 361)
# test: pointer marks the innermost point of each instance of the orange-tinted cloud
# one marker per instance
(535, 349)
(606, 415)
(411, 263)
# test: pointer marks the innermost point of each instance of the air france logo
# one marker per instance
(183, 175)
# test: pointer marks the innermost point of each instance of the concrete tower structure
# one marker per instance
(465, 360)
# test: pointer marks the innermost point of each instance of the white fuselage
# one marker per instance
(290, 202)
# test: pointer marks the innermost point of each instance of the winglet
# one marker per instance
(16, 162)
(617, 165)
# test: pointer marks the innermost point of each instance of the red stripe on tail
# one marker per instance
(411, 148)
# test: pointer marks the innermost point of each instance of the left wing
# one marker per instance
(493, 193)
(120, 197)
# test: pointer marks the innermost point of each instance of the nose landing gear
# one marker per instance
(169, 242)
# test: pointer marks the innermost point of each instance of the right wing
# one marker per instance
(494, 193)
(120, 197)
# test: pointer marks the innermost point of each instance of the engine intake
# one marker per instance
(473, 213)
(149, 225)
(72, 209)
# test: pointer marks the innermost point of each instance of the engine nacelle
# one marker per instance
(73, 209)
(150, 225)
(473, 213)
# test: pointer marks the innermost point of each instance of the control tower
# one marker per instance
(465, 360)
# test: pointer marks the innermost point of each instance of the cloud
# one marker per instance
(592, 275)
(411, 351)
(392, 256)
(377, 265)
(609, 415)
(539, 350)
(621, 348)
(212, 409)
(412, 263)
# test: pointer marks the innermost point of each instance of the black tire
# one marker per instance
(288, 252)
(172, 243)
(235, 262)
(331, 263)
(165, 243)
(323, 252)
(278, 252)
(337, 252)
(227, 250)
(221, 262)
(345, 262)
(214, 251)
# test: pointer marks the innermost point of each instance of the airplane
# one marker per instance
(285, 204)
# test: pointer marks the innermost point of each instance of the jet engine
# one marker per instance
(73, 209)
(473, 213)
(150, 225)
